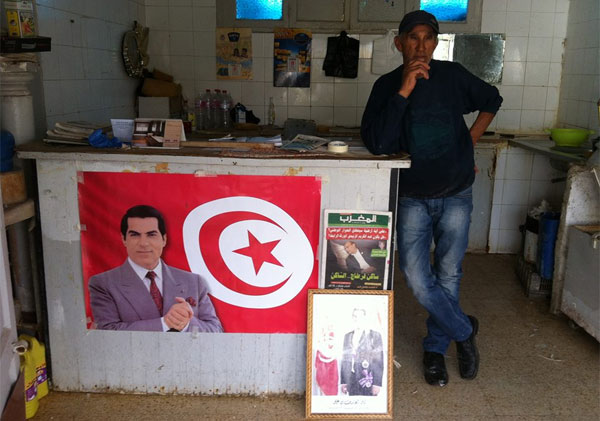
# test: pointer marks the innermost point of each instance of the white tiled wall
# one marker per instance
(522, 180)
(580, 88)
(535, 32)
(83, 75)
(183, 43)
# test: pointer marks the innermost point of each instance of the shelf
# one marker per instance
(10, 45)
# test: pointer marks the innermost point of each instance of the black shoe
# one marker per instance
(434, 368)
(467, 353)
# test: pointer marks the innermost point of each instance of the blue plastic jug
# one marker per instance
(547, 238)
(7, 150)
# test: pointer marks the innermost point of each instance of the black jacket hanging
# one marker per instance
(341, 59)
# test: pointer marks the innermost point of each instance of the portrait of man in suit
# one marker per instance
(144, 293)
(358, 260)
(361, 371)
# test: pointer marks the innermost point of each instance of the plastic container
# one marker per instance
(240, 113)
(271, 112)
(547, 238)
(216, 115)
(226, 106)
(7, 150)
(530, 241)
(202, 108)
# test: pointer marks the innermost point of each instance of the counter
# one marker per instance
(544, 146)
(200, 363)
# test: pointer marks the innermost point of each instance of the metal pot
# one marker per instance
(569, 137)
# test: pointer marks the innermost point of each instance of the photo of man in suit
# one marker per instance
(144, 293)
(357, 260)
(361, 371)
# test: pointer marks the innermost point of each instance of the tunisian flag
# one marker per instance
(252, 238)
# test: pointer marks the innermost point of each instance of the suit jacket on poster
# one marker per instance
(353, 265)
(362, 367)
(120, 300)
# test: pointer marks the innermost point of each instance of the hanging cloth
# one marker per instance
(341, 59)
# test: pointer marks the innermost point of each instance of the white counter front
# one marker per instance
(149, 362)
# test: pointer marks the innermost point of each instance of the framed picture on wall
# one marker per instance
(349, 354)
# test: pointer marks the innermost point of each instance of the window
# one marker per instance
(332, 16)
(447, 10)
(259, 9)
(455, 16)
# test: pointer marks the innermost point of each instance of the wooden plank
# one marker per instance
(590, 229)
(219, 144)
(19, 212)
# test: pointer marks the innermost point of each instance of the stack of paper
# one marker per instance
(73, 132)
(303, 142)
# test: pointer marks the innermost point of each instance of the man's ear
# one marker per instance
(164, 239)
(397, 43)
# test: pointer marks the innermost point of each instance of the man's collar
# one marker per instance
(142, 271)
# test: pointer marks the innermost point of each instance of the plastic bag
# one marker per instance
(341, 59)
(100, 140)
(386, 56)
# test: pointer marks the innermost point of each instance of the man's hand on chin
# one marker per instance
(179, 315)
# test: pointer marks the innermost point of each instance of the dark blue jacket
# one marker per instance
(430, 126)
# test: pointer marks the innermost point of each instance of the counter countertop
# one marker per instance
(358, 156)
(544, 145)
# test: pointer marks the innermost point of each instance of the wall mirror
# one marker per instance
(482, 54)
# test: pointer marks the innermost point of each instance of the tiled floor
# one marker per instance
(535, 366)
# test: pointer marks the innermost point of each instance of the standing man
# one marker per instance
(419, 108)
(144, 293)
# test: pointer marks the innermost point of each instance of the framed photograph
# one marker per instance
(349, 354)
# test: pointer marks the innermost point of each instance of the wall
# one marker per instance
(183, 43)
(580, 88)
(83, 76)
(521, 181)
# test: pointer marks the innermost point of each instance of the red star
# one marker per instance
(259, 252)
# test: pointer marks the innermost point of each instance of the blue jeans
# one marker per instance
(436, 285)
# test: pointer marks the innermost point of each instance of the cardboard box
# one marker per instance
(159, 107)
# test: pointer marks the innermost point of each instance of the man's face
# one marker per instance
(350, 247)
(359, 318)
(418, 44)
(144, 242)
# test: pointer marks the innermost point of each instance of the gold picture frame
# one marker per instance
(349, 354)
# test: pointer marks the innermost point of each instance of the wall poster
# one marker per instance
(292, 49)
(356, 249)
(237, 253)
(234, 53)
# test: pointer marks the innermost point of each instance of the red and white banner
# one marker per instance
(252, 238)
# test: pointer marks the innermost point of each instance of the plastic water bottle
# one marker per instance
(203, 120)
(226, 106)
(271, 112)
(215, 109)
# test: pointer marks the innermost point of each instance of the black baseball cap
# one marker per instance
(418, 17)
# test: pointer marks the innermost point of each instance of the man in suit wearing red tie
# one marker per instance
(144, 293)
